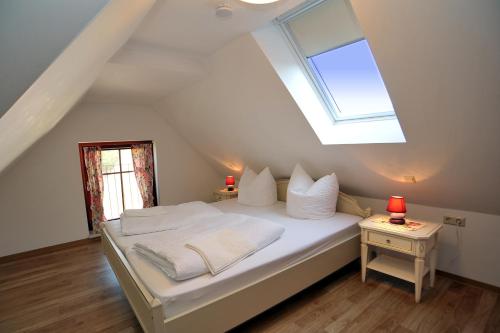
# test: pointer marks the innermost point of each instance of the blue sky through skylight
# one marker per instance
(353, 79)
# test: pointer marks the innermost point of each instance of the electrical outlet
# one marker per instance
(452, 220)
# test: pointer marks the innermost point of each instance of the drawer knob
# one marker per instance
(388, 241)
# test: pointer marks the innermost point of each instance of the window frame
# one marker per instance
(119, 172)
(110, 145)
(314, 77)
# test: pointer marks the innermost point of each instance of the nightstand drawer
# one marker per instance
(390, 241)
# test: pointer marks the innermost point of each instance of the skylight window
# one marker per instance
(338, 60)
(351, 78)
(320, 54)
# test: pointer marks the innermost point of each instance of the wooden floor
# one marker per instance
(74, 290)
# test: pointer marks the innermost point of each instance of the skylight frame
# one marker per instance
(314, 77)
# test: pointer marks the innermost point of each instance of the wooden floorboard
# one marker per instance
(73, 289)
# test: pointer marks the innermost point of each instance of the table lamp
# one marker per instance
(230, 183)
(397, 208)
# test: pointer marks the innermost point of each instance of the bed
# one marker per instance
(308, 251)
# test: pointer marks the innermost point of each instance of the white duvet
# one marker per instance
(149, 220)
(207, 243)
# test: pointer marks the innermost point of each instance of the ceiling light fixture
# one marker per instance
(259, 2)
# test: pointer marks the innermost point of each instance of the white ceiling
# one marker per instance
(32, 35)
(168, 50)
(192, 25)
(141, 73)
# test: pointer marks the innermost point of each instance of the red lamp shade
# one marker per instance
(396, 204)
(229, 180)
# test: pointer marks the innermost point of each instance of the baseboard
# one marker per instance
(94, 234)
(469, 281)
(45, 250)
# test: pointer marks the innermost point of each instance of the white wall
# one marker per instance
(439, 62)
(32, 34)
(471, 252)
(41, 195)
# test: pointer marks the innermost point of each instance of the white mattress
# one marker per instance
(301, 239)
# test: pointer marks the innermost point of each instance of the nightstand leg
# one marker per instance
(364, 258)
(433, 260)
(419, 271)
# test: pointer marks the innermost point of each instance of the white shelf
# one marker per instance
(400, 268)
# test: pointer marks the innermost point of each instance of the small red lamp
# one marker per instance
(230, 183)
(397, 208)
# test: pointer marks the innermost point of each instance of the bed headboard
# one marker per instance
(345, 203)
(282, 186)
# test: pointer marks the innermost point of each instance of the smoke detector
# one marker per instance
(224, 10)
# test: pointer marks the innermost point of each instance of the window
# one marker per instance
(120, 185)
(116, 176)
(338, 60)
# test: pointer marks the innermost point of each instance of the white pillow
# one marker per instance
(257, 190)
(307, 199)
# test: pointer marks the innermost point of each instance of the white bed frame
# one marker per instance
(234, 308)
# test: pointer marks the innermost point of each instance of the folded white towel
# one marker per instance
(165, 218)
(207, 243)
(175, 260)
(222, 248)
(145, 212)
(166, 250)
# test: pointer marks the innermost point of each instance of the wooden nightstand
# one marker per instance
(224, 194)
(419, 243)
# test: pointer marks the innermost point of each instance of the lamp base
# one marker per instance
(397, 220)
(230, 188)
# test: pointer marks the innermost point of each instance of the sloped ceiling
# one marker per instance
(440, 62)
(143, 73)
(32, 35)
(67, 78)
(192, 26)
(169, 49)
